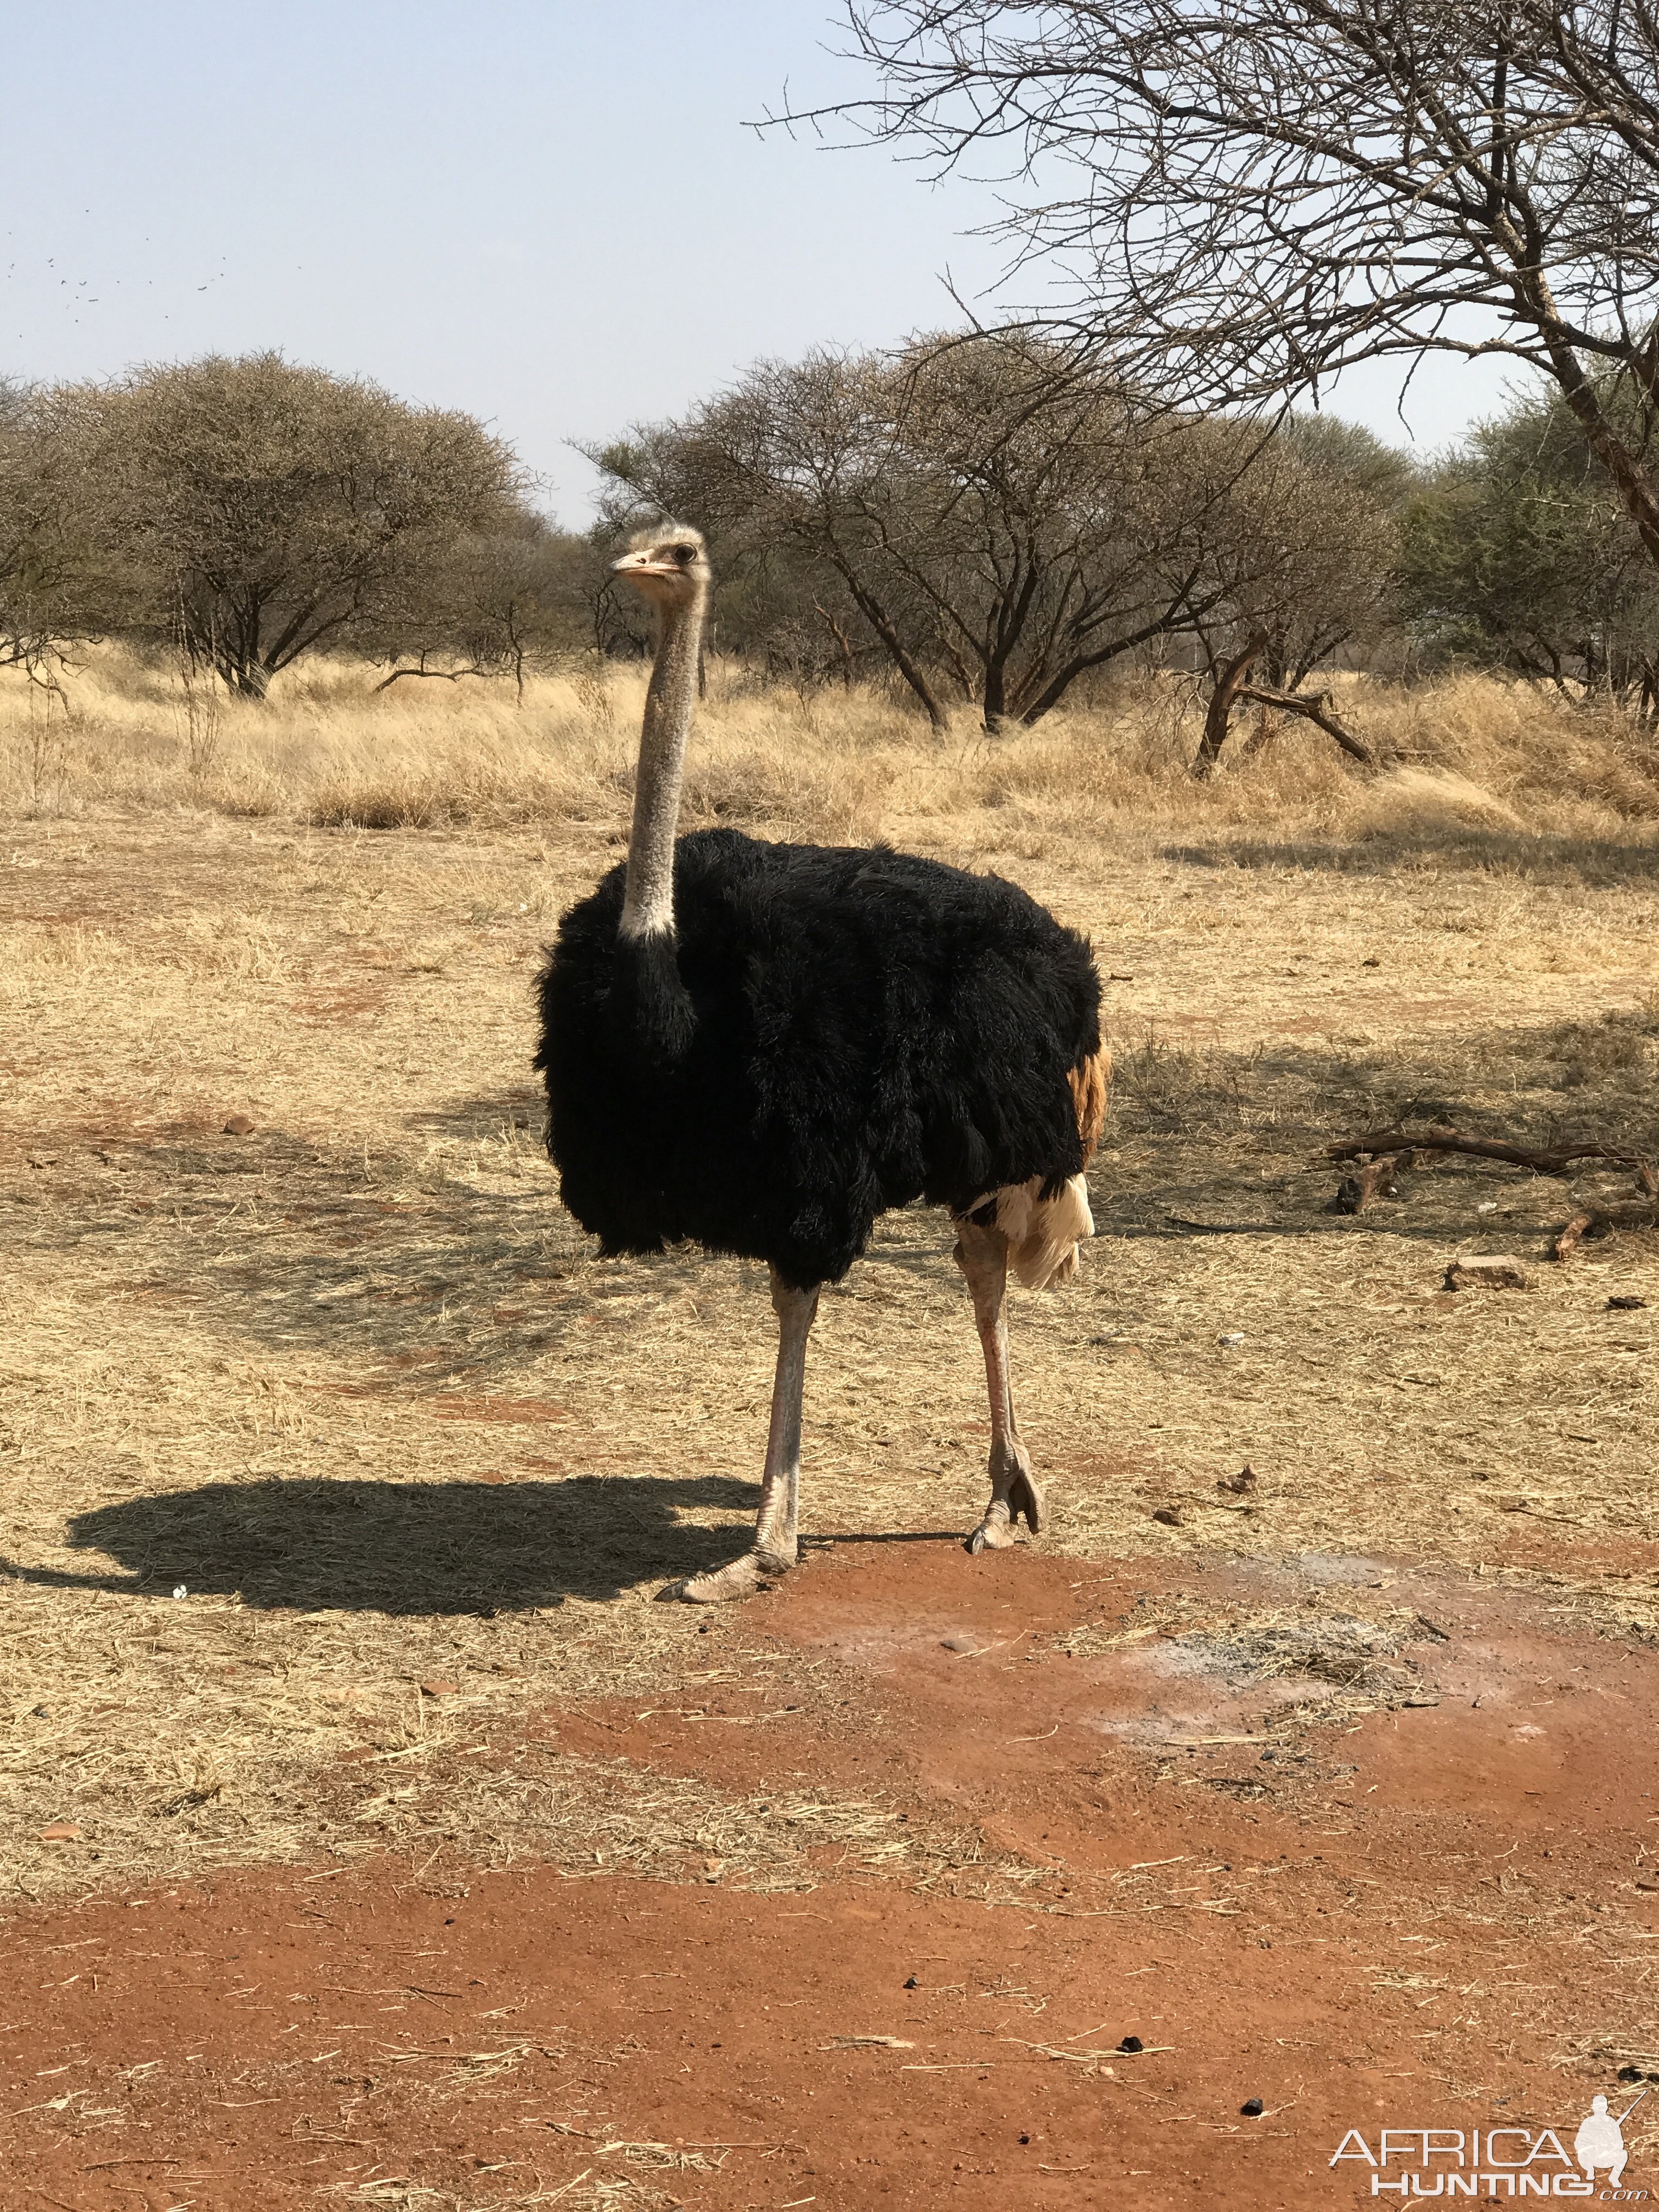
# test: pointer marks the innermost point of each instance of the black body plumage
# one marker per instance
(828, 1033)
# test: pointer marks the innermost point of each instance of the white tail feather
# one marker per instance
(1043, 1233)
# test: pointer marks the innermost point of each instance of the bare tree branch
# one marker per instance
(1240, 200)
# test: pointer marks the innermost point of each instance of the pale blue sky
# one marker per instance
(548, 212)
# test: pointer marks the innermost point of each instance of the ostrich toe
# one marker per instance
(1014, 1496)
(995, 1533)
(1025, 1499)
(740, 1578)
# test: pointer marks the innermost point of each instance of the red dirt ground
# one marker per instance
(1440, 1916)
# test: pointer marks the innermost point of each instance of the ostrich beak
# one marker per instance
(641, 564)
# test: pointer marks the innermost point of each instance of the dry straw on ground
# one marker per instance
(356, 1384)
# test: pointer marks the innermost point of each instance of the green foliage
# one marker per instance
(254, 511)
(1521, 554)
(490, 602)
(50, 598)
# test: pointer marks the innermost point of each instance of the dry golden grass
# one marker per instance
(329, 749)
(356, 1384)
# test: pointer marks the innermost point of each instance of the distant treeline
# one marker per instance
(983, 521)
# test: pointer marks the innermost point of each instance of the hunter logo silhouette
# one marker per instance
(1600, 2141)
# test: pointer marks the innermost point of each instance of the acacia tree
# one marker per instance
(1306, 554)
(50, 599)
(1520, 555)
(786, 469)
(1252, 196)
(1000, 520)
(491, 604)
(256, 511)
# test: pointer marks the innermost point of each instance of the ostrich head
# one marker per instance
(667, 564)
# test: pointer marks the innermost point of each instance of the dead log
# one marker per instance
(1567, 1238)
(1316, 708)
(1357, 1192)
(1542, 1160)
(1601, 1221)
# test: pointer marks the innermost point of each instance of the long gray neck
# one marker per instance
(648, 901)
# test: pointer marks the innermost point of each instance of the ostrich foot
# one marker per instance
(1014, 1494)
(740, 1578)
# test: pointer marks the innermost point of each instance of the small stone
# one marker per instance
(1026, 2139)
(1629, 2074)
(181, 1590)
(1231, 1338)
(61, 1832)
(1372, 963)
(238, 1125)
(438, 1689)
(1132, 2043)
(1252, 2107)
(1627, 1304)
(1489, 1271)
(967, 1645)
(1170, 1516)
(1242, 1485)
(913, 1983)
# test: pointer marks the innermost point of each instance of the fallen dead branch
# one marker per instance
(1596, 1222)
(1357, 1192)
(1318, 707)
(1568, 1237)
(1542, 1160)
(1233, 686)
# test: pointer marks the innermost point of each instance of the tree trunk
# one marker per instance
(1604, 441)
(844, 643)
(877, 615)
(251, 679)
(1228, 685)
(995, 716)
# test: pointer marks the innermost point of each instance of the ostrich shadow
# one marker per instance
(404, 1548)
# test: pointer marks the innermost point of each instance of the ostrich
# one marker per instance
(763, 1046)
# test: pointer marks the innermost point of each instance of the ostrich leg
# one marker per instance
(774, 1551)
(982, 1256)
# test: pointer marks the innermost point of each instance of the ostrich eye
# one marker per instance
(685, 554)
